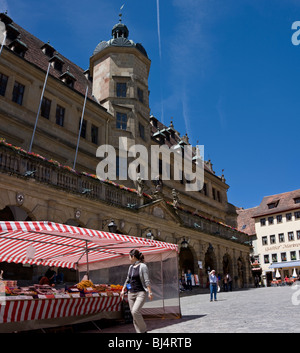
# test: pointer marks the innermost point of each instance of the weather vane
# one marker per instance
(120, 14)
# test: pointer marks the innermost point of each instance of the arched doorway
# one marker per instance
(186, 260)
(14, 213)
(75, 223)
(241, 272)
(227, 264)
(210, 259)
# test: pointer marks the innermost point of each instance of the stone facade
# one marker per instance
(47, 188)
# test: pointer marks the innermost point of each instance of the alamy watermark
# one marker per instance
(136, 161)
(296, 35)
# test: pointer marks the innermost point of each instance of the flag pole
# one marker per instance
(81, 120)
(38, 113)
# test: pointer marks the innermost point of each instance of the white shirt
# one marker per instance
(213, 279)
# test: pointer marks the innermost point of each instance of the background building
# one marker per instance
(46, 182)
(275, 229)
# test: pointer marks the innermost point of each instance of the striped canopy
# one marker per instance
(52, 244)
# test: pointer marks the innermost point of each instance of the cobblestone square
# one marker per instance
(256, 310)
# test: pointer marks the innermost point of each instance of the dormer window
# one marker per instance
(68, 78)
(5, 19)
(87, 75)
(159, 136)
(153, 121)
(18, 47)
(166, 133)
(297, 200)
(12, 32)
(57, 62)
(273, 204)
(48, 50)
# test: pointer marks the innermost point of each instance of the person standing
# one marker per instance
(213, 283)
(138, 285)
(225, 281)
(189, 280)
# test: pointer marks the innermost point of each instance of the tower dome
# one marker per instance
(120, 30)
(120, 35)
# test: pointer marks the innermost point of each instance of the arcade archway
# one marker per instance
(186, 260)
(210, 259)
(227, 264)
(14, 213)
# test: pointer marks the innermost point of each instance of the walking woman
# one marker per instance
(138, 286)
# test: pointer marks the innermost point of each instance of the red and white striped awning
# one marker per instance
(52, 244)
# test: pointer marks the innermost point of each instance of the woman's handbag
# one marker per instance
(126, 313)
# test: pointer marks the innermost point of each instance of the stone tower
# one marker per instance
(119, 69)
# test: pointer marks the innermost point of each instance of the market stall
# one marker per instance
(101, 255)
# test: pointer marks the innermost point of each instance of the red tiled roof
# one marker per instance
(245, 220)
(36, 56)
(285, 202)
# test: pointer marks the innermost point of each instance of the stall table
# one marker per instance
(18, 314)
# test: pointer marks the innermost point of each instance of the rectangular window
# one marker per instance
(94, 134)
(293, 255)
(274, 257)
(142, 131)
(121, 89)
(83, 128)
(117, 166)
(298, 234)
(264, 240)
(271, 220)
(263, 222)
(60, 115)
(279, 218)
(288, 216)
(266, 259)
(297, 215)
(205, 189)
(273, 205)
(283, 256)
(3, 84)
(58, 65)
(122, 121)
(281, 237)
(45, 108)
(214, 193)
(272, 239)
(140, 95)
(18, 93)
(291, 236)
(297, 200)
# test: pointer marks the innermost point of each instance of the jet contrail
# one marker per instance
(158, 29)
(160, 58)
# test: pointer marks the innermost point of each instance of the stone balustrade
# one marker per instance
(25, 165)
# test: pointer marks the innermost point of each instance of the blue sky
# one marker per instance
(226, 71)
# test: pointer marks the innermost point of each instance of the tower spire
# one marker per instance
(120, 14)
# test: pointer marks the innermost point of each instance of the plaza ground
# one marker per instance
(255, 310)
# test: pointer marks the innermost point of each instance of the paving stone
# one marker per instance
(255, 310)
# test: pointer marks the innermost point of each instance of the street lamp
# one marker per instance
(150, 235)
(184, 244)
(112, 227)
